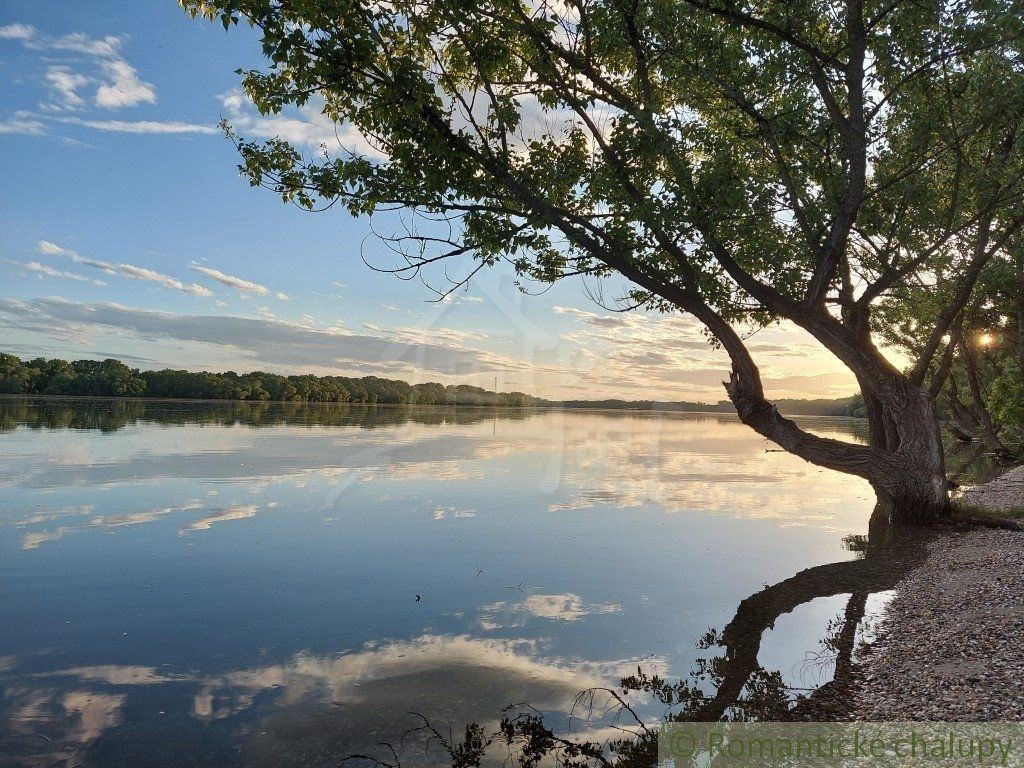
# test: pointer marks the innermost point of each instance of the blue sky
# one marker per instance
(126, 231)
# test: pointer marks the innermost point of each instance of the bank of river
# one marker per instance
(949, 645)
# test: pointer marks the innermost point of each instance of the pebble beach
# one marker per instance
(951, 644)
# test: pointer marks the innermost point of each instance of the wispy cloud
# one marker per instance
(130, 271)
(257, 341)
(52, 249)
(442, 513)
(66, 84)
(641, 355)
(238, 283)
(23, 123)
(48, 271)
(75, 42)
(141, 126)
(602, 321)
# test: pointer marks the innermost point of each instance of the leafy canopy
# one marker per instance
(750, 159)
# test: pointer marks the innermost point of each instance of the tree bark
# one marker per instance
(910, 475)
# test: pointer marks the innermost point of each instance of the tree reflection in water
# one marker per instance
(110, 415)
(729, 686)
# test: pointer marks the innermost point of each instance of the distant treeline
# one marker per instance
(112, 378)
(849, 406)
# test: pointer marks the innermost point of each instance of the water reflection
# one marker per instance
(112, 415)
(566, 607)
(188, 589)
(309, 710)
(731, 685)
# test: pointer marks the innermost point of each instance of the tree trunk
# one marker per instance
(904, 462)
(910, 474)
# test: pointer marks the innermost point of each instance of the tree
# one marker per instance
(991, 357)
(15, 376)
(981, 391)
(740, 162)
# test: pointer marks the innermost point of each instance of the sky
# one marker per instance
(126, 231)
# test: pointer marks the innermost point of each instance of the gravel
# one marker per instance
(951, 645)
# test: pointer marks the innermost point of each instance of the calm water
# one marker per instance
(212, 584)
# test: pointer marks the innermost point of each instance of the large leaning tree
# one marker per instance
(741, 161)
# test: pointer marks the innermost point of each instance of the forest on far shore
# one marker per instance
(112, 378)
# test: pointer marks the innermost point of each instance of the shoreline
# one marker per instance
(537, 408)
(947, 646)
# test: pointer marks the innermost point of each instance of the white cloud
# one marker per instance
(306, 126)
(43, 269)
(141, 126)
(359, 695)
(66, 84)
(142, 273)
(34, 540)
(233, 101)
(117, 82)
(130, 271)
(238, 283)
(124, 88)
(117, 85)
(52, 249)
(79, 42)
(643, 356)
(17, 31)
(429, 334)
(23, 124)
(116, 674)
